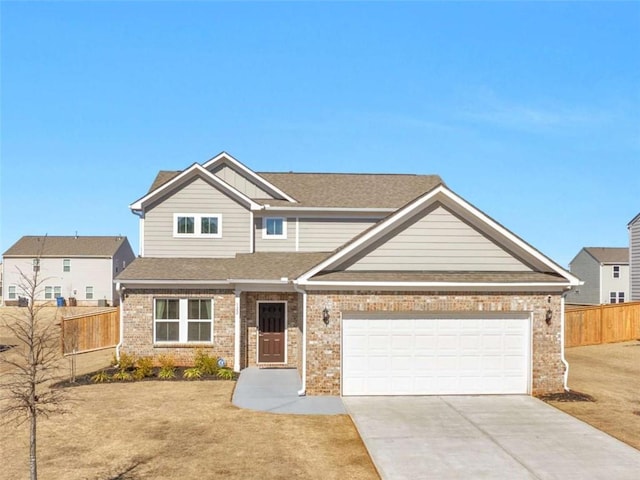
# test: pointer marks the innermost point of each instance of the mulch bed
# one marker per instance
(86, 378)
(567, 396)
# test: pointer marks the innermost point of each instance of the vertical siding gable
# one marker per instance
(240, 182)
(437, 241)
(197, 196)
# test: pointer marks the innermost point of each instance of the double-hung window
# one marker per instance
(66, 265)
(12, 292)
(616, 297)
(52, 292)
(274, 227)
(88, 293)
(616, 271)
(182, 320)
(197, 225)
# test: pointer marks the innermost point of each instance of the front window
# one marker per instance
(12, 292)
(197, 225)
(616, 271)
(183, 320)
(88, 294)
(274, 227)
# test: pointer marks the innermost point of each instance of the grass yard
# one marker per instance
(611, 374)
(176, 430)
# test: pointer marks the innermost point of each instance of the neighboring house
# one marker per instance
(80, 268)
(634, 258)
(605, 273)
(367, 284)
(1, 302)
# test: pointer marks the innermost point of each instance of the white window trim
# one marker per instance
(86, 292)
(614, 271)
(12, 295)
(183, 321)
(266, 236)
(64, 264)
(197, 220)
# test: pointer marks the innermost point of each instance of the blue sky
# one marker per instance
(530, 111)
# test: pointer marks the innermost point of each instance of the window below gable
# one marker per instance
(274, 227)
(616, 271)
(190, 225)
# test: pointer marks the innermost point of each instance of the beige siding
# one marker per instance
(240, 182)
(326, 234)
(275, 244)
(196, 197)
(439, 241)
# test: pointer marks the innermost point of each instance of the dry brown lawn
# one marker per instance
(611, 374)
(179, 430)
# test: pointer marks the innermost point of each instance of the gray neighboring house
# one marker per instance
(634, 258)
(77, 267)
(605, 272)
(367, 284)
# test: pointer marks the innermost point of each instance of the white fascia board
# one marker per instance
(293, 208)
(194, 170)
(426, 200)
(573, 280)
(225, 157)
(256, 281)
(452, 286)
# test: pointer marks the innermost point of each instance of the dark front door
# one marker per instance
(271, 328)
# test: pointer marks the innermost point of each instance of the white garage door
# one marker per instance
(435, 356)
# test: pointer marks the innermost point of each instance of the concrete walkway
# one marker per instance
(485, 437)
(276, 390)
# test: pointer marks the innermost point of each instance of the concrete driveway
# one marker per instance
(485, 437)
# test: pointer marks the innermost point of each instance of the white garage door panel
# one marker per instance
(435, 356)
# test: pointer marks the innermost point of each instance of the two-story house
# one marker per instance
(369, 284)
(605, 273)
(81, 268)
(634, 258)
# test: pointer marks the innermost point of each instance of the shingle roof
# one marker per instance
(69, 246)
(254, 266)
(335, 190)
(609, 254)
(441, 276)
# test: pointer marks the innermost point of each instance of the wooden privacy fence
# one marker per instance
(88, 332)
(619, 322)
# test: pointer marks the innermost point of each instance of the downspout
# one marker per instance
(303, 390)
(562, 357)
(120, 290)
(236, 342)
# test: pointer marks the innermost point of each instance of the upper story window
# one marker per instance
(197, 225)
(66, 265)
(274, 227)
(616, 271)
(36, 264)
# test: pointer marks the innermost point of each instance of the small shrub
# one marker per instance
(122, 376)
(205, 363)
(144, 368)
(167, 367)
(101, 377)
(226, 373)
(114, 360)
(126, 362)
(192, 373)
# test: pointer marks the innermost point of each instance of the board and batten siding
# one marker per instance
(634, 259)
(438, 241)
(587, 269)
(196, 197)
(240, 182)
